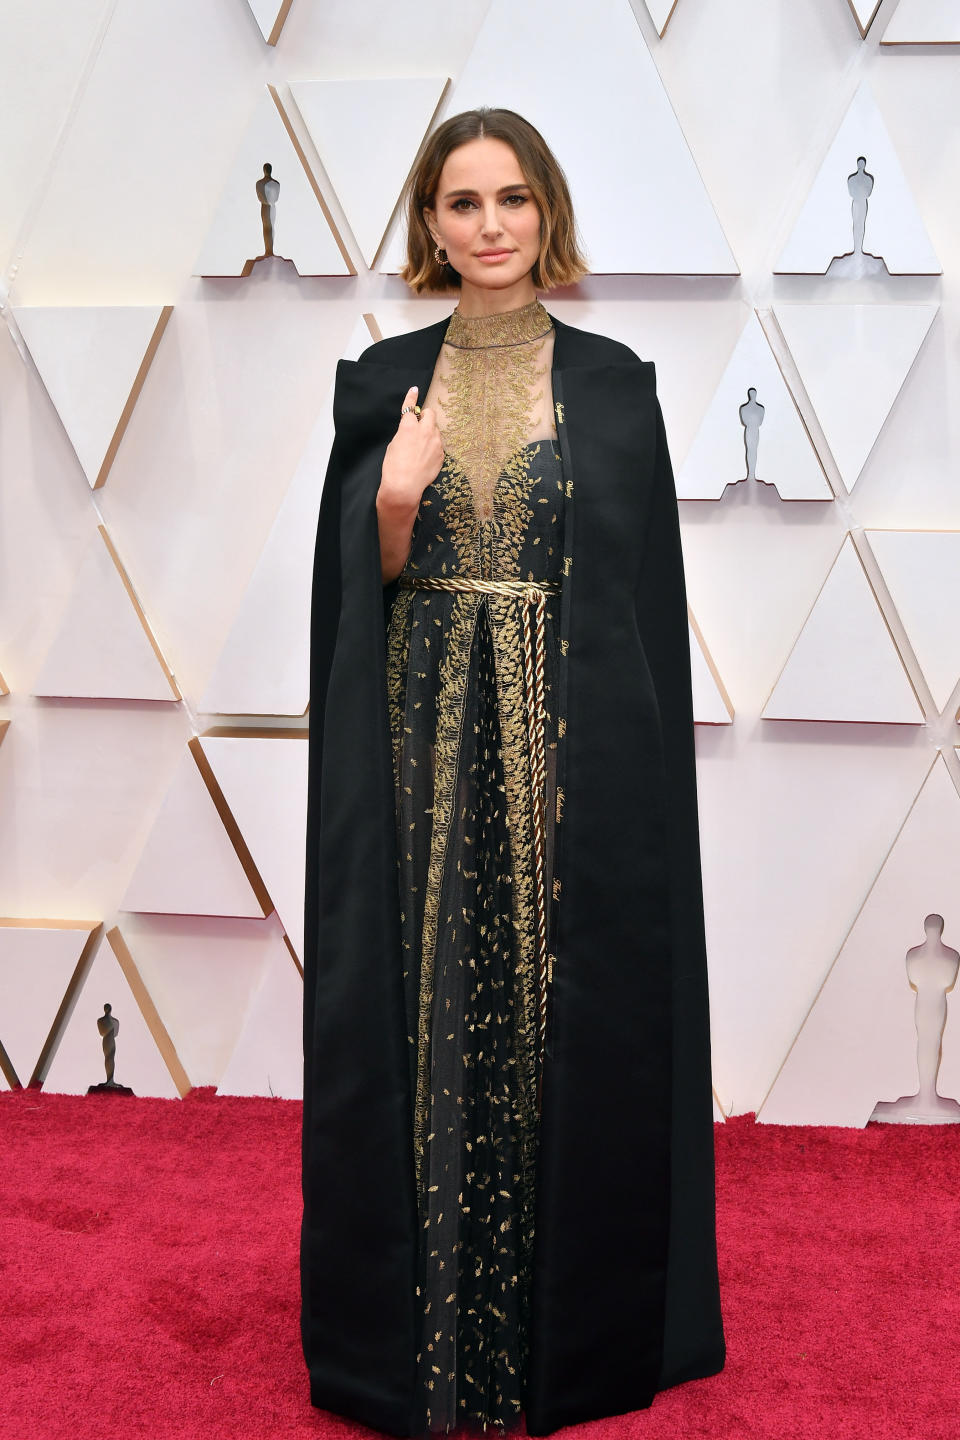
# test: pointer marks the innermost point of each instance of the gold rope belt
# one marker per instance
(533, 594)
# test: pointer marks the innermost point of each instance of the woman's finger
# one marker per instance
(408, 411)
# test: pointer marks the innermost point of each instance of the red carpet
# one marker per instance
(148, 1273)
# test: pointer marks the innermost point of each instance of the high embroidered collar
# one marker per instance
(512, 327)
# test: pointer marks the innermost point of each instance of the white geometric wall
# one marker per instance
(164, 421)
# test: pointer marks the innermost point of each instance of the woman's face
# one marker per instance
(485, 216)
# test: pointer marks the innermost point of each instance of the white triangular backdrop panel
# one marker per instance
(894, 228)
(844, 665)
(36, 965)
(270, 15)
(188, 865)
(785, 457)
(864, 12)
(103, 649)
(853, 361)
(661, 13)
(858, 1044)
(264, 782)
(921, 569)
(642, 204)
(92, 360)
(368, 179)
(268, 1059)
(202, 975)
(923, 22)
(301, 230)
(263, 668)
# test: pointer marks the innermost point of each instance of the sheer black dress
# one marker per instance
(472, 661)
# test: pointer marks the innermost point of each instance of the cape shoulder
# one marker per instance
(586, 347)
(412, 347)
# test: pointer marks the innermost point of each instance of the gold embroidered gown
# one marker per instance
(473, 657)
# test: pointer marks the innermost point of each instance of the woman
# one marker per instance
(508, 1147)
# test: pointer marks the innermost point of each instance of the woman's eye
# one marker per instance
(513, 201)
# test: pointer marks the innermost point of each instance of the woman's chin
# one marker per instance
(499, 276)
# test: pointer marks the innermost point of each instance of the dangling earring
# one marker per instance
(440, 256)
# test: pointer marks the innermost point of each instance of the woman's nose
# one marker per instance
(491, 220)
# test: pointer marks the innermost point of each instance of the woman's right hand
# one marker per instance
(413, 457)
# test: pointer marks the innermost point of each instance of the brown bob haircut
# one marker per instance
(560, 261)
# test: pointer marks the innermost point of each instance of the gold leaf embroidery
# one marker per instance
(488, 377)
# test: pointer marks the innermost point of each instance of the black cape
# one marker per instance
(625, 1298)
